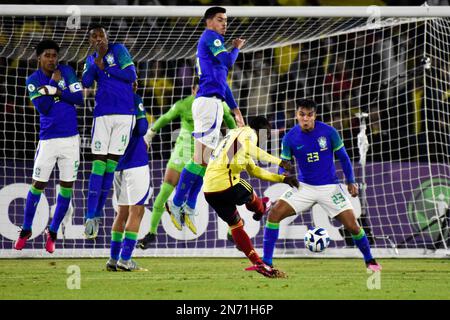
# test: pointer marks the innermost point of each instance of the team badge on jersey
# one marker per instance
(141, 107)
(217, 43)
(31, 87)
(110, 58)
(62, 84)
(322, 143)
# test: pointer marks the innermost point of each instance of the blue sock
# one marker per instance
(101, 203)
(193, 193)
(363, 245)
(95, 186)
(128, 245)
(187, 180)
(33, 197)
(108, 179)
(62, 204)
(271, 232)
(116, 244)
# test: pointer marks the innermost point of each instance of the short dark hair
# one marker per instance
(307, 104)
(259, 122)
(211, 12)
(94, 26)
(46, 44)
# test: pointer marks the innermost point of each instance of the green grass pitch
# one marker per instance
(224, 278)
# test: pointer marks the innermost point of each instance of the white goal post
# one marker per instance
(390, 64)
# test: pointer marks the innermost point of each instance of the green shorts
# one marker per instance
(181, 155)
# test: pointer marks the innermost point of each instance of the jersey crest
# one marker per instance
(62, 84)
(322, 143)
(110, 58)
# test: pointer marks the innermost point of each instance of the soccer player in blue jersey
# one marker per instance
(54, 90)
(314, 144)
(111, 66)
(131, 189)
(212, 63)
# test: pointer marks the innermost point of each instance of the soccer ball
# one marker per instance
(317, 239)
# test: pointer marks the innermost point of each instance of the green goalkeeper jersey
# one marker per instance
(183, 110)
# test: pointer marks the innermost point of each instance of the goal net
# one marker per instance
(382, 82)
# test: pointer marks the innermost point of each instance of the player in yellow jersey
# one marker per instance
(224, 189)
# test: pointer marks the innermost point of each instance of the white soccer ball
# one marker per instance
(317, 239)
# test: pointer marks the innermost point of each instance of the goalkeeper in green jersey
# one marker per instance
(181, 154)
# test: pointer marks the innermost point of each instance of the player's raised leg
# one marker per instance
(191, 202)
(224, 203)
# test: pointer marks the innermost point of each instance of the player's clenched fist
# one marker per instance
(291, 181)
(56, 76)
(238, 43)
(286, 165)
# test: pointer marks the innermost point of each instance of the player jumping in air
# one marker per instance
(111, 66)
(131, 189)
(224, 189)
(54, 90)
(212, 64)
(314, 144)
(181, 154)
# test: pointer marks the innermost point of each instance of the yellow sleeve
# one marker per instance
(249, 142)
(262, 174)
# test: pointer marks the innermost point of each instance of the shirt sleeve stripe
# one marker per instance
(223, 50)
(35, 96)
(337, 148)
(128, 64)
(285, 157)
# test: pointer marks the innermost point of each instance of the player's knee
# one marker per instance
(278, 212)
(101, 157)
(66, 184)
(114, 157)
(39, 184)
(232, 219)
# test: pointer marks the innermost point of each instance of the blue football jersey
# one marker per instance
(313, 152)
(60, 117)
(136, 153)
(211, 70)
(113, 95)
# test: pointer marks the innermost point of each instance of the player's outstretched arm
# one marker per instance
(257, 153)
(263, 174)
(162, 121)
